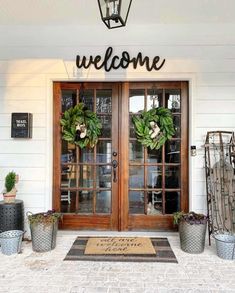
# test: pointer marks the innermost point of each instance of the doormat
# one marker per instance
(120, 245)
(163, 252)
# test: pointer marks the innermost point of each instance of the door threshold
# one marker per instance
(116, 233)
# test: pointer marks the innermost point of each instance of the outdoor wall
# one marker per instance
(32, 57)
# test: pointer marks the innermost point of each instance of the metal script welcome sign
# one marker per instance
(111, 61)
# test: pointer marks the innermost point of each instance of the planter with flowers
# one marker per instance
(43, 228)
(192, 231)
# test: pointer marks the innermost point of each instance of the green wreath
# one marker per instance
(81, 126)
(154, 127)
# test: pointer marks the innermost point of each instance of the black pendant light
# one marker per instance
(114, 13)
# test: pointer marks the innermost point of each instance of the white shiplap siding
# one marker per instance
(23, 91)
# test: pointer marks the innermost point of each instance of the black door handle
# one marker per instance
(114, 164)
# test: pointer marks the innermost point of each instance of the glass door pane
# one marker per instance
(86, 174)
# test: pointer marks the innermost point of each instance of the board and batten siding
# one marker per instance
(28, 65)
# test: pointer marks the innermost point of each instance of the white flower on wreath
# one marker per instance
(82, 129)
(155, 130)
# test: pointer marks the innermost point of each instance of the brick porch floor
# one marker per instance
(47, 272)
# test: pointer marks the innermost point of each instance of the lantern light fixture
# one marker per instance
(114, 13)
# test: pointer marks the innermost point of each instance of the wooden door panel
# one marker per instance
(83, 188)
(158, 180)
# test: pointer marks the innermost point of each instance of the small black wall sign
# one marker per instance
(115, 62)
(21, 125)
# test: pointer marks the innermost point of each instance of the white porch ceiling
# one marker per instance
(60, 28)
(85, 12)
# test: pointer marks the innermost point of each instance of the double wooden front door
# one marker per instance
(119, 184)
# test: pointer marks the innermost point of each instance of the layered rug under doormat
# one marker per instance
(132, 249)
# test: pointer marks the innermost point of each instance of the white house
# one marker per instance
(40, 41)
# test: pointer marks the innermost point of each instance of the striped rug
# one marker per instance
(162, 247)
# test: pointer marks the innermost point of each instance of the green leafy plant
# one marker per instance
(46, 218)
(190, 218)
(81, 126)
(177, 216)
(10, 181)
(154, 127)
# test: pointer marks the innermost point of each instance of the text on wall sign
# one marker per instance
(114, 62)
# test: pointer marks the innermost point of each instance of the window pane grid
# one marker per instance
(155, 198)
(82, 191)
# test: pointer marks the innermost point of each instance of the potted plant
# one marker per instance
(43, 228)
(192, 231)
(9, 193)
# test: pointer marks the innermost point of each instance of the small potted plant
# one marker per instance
(192, 231)
(43, 227)
(9, 193)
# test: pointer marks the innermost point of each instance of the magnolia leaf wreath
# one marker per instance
(154, 127)
(81, 126)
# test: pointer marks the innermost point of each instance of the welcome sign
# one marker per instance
(111, 61)
(119, 245)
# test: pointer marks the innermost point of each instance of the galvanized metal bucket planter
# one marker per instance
(44, 227)
(10, 241)
(192, 237)
(225, 246)
(43, 236)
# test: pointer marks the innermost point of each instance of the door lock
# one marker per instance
(114, 165)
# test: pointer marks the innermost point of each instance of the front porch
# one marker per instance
(47, 272)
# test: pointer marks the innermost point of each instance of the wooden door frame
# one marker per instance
(124, 146)
(125, 221)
